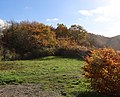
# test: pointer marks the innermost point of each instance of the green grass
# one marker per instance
(53, 73)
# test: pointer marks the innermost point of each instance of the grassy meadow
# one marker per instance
(63, 75)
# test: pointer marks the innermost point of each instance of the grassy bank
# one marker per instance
(53, 73)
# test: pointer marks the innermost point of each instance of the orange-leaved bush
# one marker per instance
(103, 70)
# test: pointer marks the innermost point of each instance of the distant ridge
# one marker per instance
(102, 41)
(114, 42)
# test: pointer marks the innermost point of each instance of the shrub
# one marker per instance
(69, 48)
(73, 51)
(8, 54)
(103, 69)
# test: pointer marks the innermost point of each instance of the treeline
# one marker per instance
(28, 40)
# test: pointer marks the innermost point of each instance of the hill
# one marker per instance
(102, 41)
(114, 42)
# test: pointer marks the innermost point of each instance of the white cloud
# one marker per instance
(109, 11)
(53, 19)
(79, 19)
(100, 10)
(2, 23)
(107, 16)
(101, 19)
(48, 20)
(85, 12)
(114, 29)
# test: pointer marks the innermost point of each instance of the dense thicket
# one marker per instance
(26, 40)
(29, 39)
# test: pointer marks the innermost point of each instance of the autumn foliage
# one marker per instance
(103, 69)
(29, 39)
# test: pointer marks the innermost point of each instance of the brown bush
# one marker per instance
(103, 69)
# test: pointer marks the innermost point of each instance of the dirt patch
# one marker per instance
(26, 90)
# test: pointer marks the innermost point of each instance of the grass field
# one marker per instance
(53, 73)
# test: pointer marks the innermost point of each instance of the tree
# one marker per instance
(29, 38)
(79, 35)
(62, 31)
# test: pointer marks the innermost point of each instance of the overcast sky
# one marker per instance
(96, 16)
